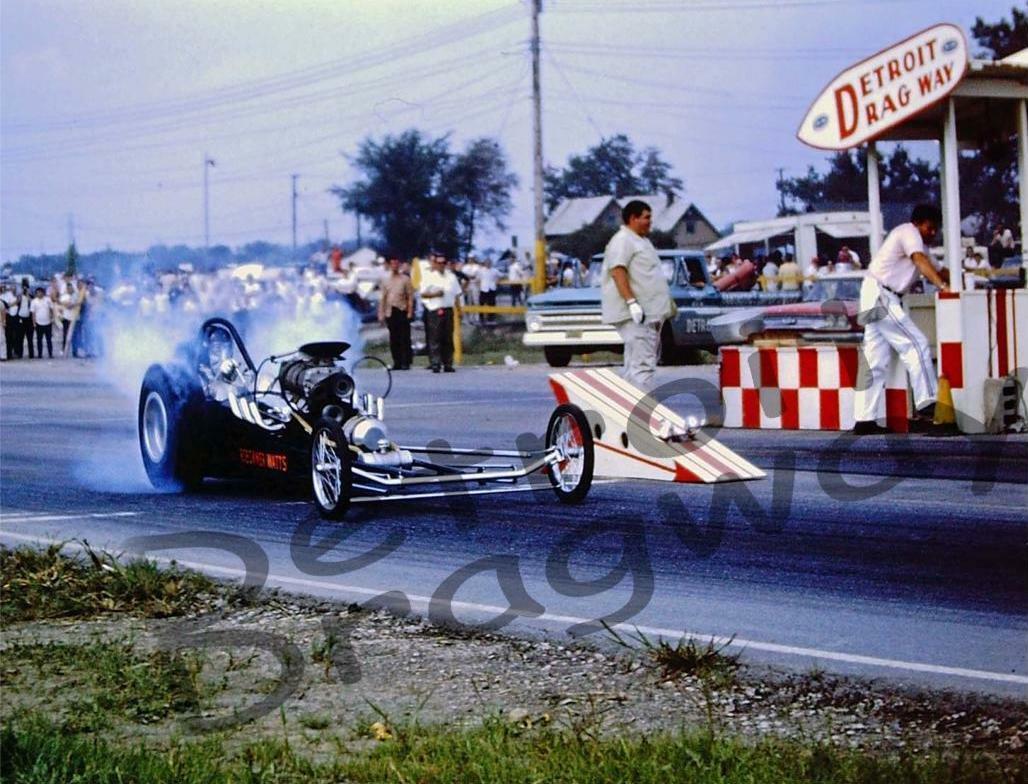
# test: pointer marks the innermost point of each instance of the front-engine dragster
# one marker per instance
(309, 416)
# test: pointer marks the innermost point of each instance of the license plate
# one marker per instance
(575, 333)
(695, 325)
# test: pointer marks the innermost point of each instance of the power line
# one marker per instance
(414, 46)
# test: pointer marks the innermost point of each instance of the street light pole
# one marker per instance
(294, 176)
(207, 161)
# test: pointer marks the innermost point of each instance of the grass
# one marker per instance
(36, 751)
(687, 657)
(45, 584)
(112, 679)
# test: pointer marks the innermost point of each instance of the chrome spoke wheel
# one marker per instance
(326, 470)
(155, 427)
(568, 441)
(572, 452)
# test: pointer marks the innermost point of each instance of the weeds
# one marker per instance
(112, 678)
(708, 662)
(42, 584)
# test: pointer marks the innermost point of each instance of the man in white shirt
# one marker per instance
(439, 289)
(888, 328)
(42, 311)
(769, 275)
(516, 276)
(635, 297)
(488, 282)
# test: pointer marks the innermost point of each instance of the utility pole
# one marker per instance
(781, 193)
(539, 279)
(294, 176)
(207, 161)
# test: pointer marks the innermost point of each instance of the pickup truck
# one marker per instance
(567, 321)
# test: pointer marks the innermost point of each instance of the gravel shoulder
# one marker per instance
(326, 676)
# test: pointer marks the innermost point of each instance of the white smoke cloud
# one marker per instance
(130, 342)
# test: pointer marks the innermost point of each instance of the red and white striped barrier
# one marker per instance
(626, 423)
(981, 335)
(804, 388)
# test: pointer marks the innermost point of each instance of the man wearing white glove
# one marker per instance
(635, 294)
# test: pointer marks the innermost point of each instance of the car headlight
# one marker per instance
(533, 322)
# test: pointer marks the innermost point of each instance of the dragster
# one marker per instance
(309, 417)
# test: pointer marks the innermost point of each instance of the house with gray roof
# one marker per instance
(682, 220)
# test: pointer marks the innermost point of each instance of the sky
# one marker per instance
(109, 108)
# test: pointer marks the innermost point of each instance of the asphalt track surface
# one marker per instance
(901, 559)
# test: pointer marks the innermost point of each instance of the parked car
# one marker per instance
(567, 321)
(828, 312)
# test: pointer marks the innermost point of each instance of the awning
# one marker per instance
(845, 230)
(747, 235)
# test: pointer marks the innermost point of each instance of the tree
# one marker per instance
(402, 192)
(585, 242)
(480, 185)
(902, 179)
(73, 258)
(418, 195)
(988, 176)
(612, 167)
(1002, 38)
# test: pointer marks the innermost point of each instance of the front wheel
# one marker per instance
(572, 475)
(331, 475)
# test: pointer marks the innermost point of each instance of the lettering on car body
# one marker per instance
(269, 460)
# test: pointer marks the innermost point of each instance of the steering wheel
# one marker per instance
(371, 374)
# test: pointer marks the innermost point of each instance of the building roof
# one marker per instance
(665, 214)
(573, 214)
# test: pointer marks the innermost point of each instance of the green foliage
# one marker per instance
(480, 185)
(111, 678)
(496, 752)
(40, 584)
(902, 179)
(662, 240)
(988, 175)
(72, 256)
(685, 657)
(612, 167)
(989, 186)
(418, 195)
(1002, 38)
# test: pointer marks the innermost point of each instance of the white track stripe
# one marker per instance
(653, 631)
(45, 518)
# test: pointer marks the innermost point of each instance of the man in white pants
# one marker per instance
(888, 328)
(635, 296)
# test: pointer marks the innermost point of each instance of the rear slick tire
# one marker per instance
(173, 462)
